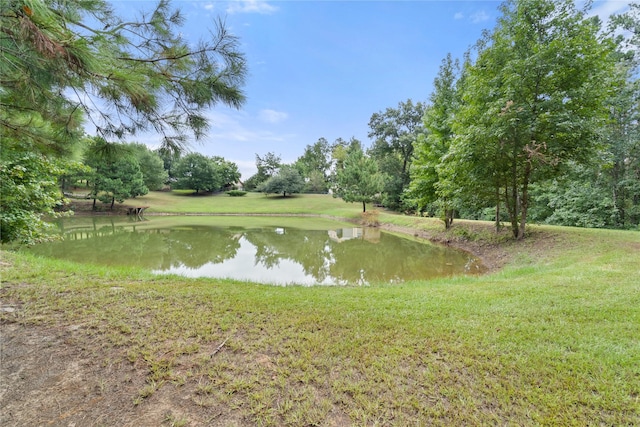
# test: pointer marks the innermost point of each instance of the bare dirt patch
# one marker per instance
(84, 207)
(56, 377)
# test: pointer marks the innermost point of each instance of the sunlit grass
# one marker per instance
(252, 203)
(551, 339)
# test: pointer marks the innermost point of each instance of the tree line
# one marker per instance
(537, 122)
(116, 172)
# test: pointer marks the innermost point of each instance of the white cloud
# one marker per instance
(246, 135)
(458, 16)
(479, 16)
(604, 9)
(246, 167)
(238, 127)
(209, 6)
(250, 6)
(272, 116)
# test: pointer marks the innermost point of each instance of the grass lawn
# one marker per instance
(553, 338)
(181, 202)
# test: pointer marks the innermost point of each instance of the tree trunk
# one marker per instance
(364, 207)
(497, 208)
(448, 218)
(113, 200)
(512, 209)
(524, 202)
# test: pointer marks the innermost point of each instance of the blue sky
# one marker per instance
(322, 68)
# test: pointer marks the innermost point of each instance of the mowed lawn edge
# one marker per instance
(550, 339)
(185, 202)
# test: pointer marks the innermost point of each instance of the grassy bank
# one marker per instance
(551, 339)
(180, 202)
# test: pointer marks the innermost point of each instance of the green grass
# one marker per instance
(552, 339)
(180, 202)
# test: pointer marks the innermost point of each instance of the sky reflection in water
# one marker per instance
(278, 254)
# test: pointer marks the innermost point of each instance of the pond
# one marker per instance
(271, 250)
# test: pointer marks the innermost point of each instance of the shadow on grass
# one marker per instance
(192, 193)
(281, 197)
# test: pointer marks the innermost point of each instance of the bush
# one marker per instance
(236, 193)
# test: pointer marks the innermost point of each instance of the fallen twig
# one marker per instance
(218, 348)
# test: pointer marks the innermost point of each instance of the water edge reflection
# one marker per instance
(277, 254)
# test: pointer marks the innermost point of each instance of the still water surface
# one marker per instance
(265, 250)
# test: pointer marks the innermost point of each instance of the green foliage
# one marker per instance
(576, 203)
(142, 68)
(151, 165)
(533, 100)
(226, 170)
(606, 191)
(252, 182)
(519, 132)
(267, 167)
(390, 168)
(429, 174)
(59, 59)
(170, 160)
(286, 180)
(316, 182)
(583, 197)
(28, 191)
(339, 152)
(314, 165)
(115, 174)
(197, 172)
(395, 132)
(236, 193)
(358, 180)
(630, 23)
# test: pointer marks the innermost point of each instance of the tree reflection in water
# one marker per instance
(278, 255)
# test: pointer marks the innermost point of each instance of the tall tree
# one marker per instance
(170, 160)
(340, 150)
(606, 191)
(315, 165)
(394, 132)
(267, 167)
(358, 180)
(197, 172)
(533, 100)
(226, 170)
(115, 174)
(151, 166)
(286, 180)
(623, 133)
(427, 175)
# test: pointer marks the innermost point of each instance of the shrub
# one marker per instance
(236, 193)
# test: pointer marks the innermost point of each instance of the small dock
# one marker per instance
(137, 211)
